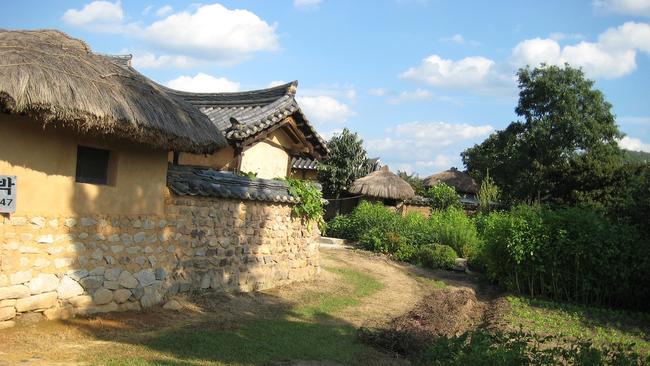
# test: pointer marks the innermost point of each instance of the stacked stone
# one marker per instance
(55, 268)
(243, 245)
(58, 267)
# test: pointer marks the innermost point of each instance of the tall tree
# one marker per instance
(346, 162)
(563, 150)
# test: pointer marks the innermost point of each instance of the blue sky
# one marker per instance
(419, 80)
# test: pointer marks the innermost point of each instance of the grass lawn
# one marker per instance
(306, 331)
(602, 326)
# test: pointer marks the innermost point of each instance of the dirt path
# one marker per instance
(404, 287)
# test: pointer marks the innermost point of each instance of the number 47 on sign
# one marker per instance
(7, 193)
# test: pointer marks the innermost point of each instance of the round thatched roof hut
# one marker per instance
(461, 181)
(383, 184)
(57, 79)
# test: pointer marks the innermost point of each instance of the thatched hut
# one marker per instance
(94, 219)
(463, 183)
(383, 185)
(88, 127)
(57, 80)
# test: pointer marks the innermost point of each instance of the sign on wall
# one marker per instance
(7, 193)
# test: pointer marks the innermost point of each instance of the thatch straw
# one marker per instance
(461, 181)
(57, 79)
(383, 184)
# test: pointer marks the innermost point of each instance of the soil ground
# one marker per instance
(119, 337)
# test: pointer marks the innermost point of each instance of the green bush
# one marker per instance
(484, 348)
(568, 254)
(436, 256)
(369, 215)
(339, 227)
(415, 229)
(452, 227)
(442, 196)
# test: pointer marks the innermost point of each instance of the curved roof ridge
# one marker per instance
(248, 97)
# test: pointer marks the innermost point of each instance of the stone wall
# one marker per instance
(58, 267)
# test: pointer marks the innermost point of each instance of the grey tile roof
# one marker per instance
(254, 111)
(304, 163)
(195, 181)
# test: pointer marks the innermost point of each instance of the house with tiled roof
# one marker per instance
(266, 131)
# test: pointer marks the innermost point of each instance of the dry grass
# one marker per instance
(380, 289)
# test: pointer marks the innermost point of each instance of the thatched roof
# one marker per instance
(241, 116)
(57, 79)
(383, 184)
(461, 181)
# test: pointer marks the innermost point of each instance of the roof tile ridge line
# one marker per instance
(289, 89)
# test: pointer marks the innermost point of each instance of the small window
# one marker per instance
(92, 165)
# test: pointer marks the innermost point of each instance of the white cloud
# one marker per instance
(425, 147)
(101, 15)
(203, 83)
(213, 32)
(204, 32)
(627, 7)
(437, 71)
(147, 9)
(612, 56)
(459, 39)
(148, 60)
(633, 144)
(456, 38)
(558, 36)
(378, 92)
(477, 72)
(164, 10)
(276, 83)
(415, 95)
(323, 108)
(306, 4)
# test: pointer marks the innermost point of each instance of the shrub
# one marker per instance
(415, 229)
(569, 254)
(339, 227)
(436, 256)
(443, 196)
(367, 216)
(454, 228)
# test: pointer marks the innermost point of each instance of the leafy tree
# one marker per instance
(442, 197)
(414, 180)
(345, 163)
(564, 148)
(488, 194)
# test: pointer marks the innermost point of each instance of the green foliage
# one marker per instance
(436, 256)
(407, 238)
(310, 206)
(484, 348)
(488, 194)
(442, 196)
(481, 347)
(249, 175)
(565, 147)
(414, 180)
(455, 229)
(339, 227)
(345, 163)
(569, 254)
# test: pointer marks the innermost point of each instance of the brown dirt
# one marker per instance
(409, 299)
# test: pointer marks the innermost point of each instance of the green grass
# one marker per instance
(602, 326)
(325, 303)
(255, 342)
(303, 333)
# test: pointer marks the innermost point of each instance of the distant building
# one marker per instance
(463, 183)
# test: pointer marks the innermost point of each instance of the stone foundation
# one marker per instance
(58, 267)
